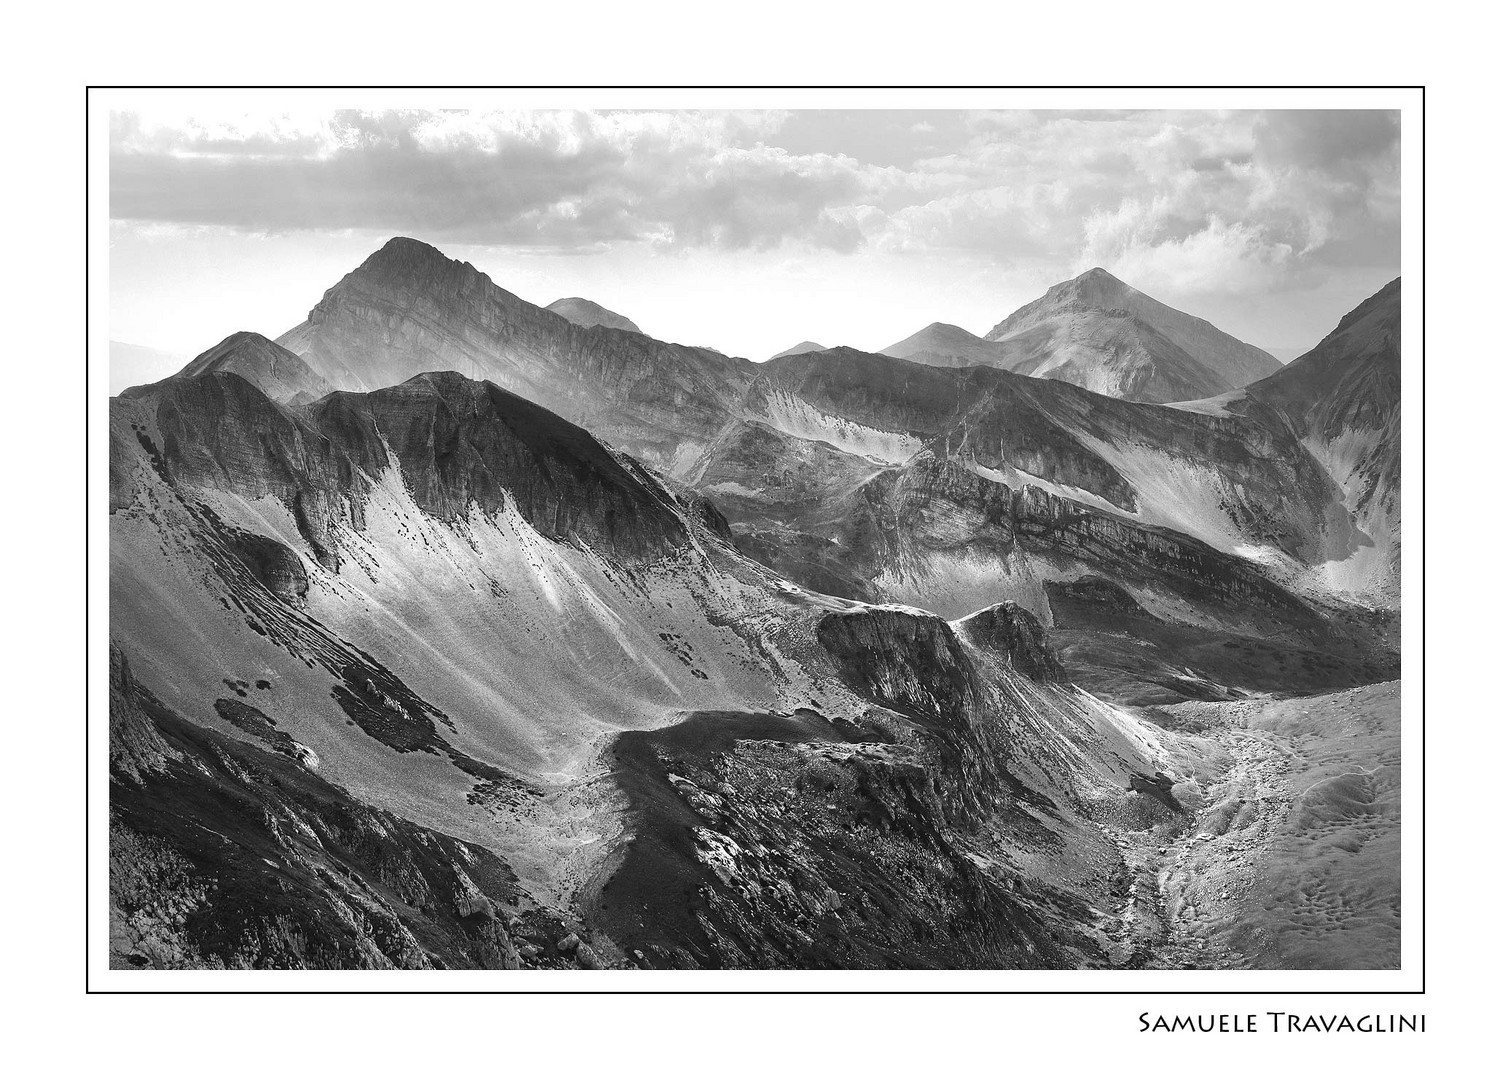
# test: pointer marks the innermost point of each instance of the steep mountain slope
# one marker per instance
(586, 313)
(1241, 484)
(421, 673)
(1097, 332)
(945, 345)
(448, 678)
(952, 490)
(228, 854)
(408, 309)
(1343, 400)
(278, 373)
(842, 470)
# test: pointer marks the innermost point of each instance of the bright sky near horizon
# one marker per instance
(751, 231)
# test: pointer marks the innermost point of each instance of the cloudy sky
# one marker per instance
(751, 231)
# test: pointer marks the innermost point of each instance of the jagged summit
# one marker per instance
(409, 309)
(407, 250)
(584, 312)
(405, 260)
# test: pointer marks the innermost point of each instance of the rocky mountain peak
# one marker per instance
(407, 250)
(799, 349)
(1096, 288)
(1098, 274)
(583, 312)
(404, 262)
(277, 372)
(1102, 333)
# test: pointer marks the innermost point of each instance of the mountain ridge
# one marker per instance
(1100, 333)
(278, 372)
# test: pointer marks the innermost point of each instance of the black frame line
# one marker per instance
(1420, 991)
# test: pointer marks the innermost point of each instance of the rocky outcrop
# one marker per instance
(906, 660)
(334, 883)
(766, 841)
(137, 748)
(1008, 631)
(1114, 647)
(273, 563)
(1140, 553)
(1158, 786)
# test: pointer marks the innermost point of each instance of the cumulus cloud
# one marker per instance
(1184, 202)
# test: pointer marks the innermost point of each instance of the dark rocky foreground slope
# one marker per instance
(379, 648)
(226, 853)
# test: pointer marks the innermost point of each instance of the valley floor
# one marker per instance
(1290, 855)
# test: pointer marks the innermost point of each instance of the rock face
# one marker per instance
(278, 373)
(855, 474)
(903, 660)
(458, 444)
(768, 840)
(217, 430)
(333, 883)
(1013, 633)
(408, 310)
(272, 563)
(1099, 333)
(586, 313)
(1341, 402)
(1112, 645)
(1343, 398)
(461, 444)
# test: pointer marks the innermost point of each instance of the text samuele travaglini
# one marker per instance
(1284, 1023)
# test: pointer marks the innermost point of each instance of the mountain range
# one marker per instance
(448, 630)
(1096, 332)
